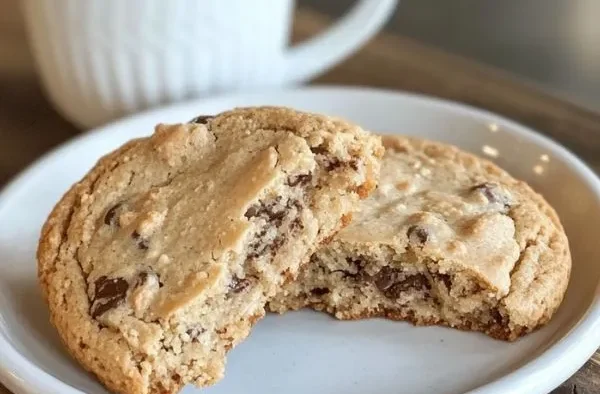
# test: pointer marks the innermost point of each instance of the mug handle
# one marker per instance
(363, 21)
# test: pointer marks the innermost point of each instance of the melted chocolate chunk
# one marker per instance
(110, 216)
(319, 291)
(201, 119)
(109, 294)
(417, 234)
(276, 217)
(496, 316)
(414, 282)
(141, 242)
(386, 278)
(392, 282)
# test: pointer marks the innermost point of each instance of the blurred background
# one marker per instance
(552, 43)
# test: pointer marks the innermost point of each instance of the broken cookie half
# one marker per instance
(163, 256)
(447, 239)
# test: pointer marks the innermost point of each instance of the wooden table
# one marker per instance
(29, 126)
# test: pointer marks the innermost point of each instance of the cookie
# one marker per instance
(447, 239)
(163, 256)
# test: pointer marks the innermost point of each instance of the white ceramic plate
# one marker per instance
(308, 352)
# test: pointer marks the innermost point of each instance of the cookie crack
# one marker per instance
(528, 244)
(278, 159)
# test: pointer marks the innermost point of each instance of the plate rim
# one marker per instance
(542, 373)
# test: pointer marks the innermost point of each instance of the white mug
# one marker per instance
(99, 60)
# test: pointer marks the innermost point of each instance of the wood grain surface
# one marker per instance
(29, 126)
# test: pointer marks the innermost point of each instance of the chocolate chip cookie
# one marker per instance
(447, 239)
(163, 256)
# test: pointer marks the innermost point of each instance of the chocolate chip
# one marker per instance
(201, 119)
(353, 164)
(417, 234)
(302, 180)
(100, 309)
(109, 217)
(386, 277)
(141, 242)
(109, 293)
(238, 285)
(444, 278)
(318, 150)
(496, 316)
(252, 211)
(492, 192)
(329, 164)
(392, 282)
(276, 217)
(108, 288)
(319, 291)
